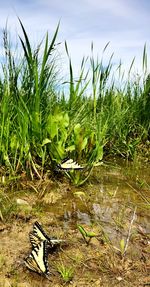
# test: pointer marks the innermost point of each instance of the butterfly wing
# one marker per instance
(37, 260)
(32, 265)
(69, 164)
(34, 239)
(39, 234)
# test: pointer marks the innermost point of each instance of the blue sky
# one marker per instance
(123, 23)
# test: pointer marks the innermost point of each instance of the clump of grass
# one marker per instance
(65, 272)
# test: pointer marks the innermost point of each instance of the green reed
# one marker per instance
(95, 116)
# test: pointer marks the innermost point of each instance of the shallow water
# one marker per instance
(108, 199)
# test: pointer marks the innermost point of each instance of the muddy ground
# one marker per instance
(113, 204)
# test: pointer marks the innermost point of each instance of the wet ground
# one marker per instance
(114, 204)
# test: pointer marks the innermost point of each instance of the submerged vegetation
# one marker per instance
(92, 117)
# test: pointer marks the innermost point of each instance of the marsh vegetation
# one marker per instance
(99, 118)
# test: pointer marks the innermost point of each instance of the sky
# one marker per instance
(123, 23)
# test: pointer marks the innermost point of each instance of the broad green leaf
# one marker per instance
(70, 148)
(66, 120)
(46, 141)
(52, 128)
(83, 144)
(60, 149)
(77, 129)
(91, 234)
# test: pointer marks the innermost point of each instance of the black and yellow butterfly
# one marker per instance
(37, 261)
(69, 164)
(38, 234)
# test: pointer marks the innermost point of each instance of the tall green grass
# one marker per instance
(94, 117)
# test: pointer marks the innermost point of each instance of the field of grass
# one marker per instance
(93, 117)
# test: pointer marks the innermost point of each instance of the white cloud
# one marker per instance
(124, 23)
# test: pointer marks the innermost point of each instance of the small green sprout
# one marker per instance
(87, 235)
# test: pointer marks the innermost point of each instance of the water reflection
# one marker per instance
(109, 200)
